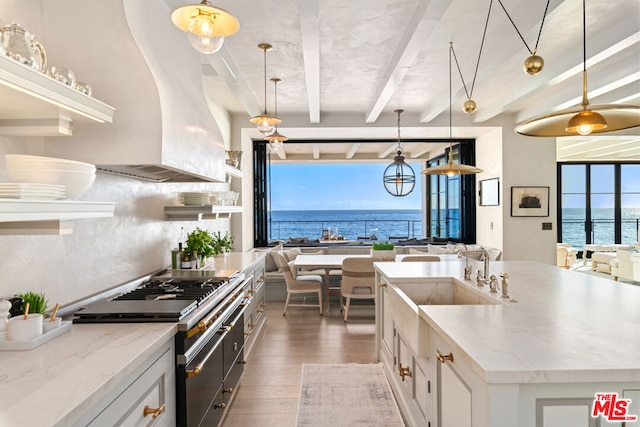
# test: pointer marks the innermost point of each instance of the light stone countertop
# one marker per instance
(566, 326)
(56, 383)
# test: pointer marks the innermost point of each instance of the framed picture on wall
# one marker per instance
(490, 192)
(529, 201)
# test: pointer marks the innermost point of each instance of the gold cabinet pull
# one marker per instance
(382, 285)
(404, 372)
(220, 406)
(263, 305)
(227, 390)
(251, 291)
(444, 358)
(260, 310)
(153, 411)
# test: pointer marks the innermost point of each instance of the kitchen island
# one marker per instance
(527, 363)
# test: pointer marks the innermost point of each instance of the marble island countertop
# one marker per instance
(56, 383)
(566, 326)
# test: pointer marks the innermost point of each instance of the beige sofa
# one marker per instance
(626, 266)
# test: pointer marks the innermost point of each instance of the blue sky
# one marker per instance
(337, 187)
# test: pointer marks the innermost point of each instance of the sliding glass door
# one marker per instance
(630, 203)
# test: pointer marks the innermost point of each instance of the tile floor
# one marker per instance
(268, 392)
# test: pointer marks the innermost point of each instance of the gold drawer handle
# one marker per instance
(263, 305)
(443, 358)
(153, 411)
(227, 390)
(404, 372)
(251, 291)
(220, 406)
(260, 310)
(382, 285)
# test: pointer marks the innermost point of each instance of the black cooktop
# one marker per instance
(155, 301)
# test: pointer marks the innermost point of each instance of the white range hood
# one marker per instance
(138, 62)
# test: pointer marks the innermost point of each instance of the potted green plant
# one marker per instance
(37, 302)
(199, 242)
(384, 250)
(222, 244)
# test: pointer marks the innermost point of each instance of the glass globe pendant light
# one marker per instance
(265, 122)
(399, 178)
(276, 139)
(207, 26)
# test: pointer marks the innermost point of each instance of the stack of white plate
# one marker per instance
(77, 177)
(197, 198)
(31, 191)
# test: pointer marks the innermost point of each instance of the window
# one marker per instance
(599, 203)
(451, 211)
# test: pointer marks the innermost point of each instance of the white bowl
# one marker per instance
(20, 329)
(26, 161)
(76, 183)
(48, 325)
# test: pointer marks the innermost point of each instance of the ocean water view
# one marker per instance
(386, 223)
(573, 226)
(350, 224)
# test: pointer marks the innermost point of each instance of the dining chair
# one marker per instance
(421, 258)
(297, 285)
(358, 282)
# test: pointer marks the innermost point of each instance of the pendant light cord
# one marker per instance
(265, 81)
(475, 73)
(532, 52)
(450, 102)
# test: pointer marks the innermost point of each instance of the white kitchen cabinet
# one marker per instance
(18, 217)
(34, 104)
(255, 316)
(148, 399)
(408, 374)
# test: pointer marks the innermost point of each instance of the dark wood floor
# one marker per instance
(268, 393)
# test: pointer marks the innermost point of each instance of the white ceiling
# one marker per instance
(365, 58)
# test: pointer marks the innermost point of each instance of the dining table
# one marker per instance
(332, 262)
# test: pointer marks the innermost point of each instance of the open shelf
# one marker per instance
(199, 212)
(34, 104)
(19, 217)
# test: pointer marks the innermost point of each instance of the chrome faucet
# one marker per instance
(484, 256)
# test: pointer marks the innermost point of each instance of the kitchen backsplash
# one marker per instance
(102, 252)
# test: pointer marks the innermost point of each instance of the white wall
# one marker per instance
(489, 219)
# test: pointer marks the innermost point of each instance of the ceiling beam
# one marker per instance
(411, 43)
(316, 151)
(352, 151)
(310, 34)
(226, 68)
(391, 149)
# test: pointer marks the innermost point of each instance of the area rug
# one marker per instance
(350, 395)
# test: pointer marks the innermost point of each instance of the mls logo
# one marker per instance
(610, 407)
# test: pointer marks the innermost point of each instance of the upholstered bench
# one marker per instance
(601, 261)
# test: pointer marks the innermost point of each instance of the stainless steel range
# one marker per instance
(210, 339)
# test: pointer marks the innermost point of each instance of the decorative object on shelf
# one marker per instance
(233, 158)
(470, 105)
(276, 139)
(450, 168)
(399, 178)
(585, 119)
(83, 88)
(265, 122)
(207, 26)
(63, 75)
(530, 201)
(385, 250)
(77, 177)
(534, 63)
(21, 46)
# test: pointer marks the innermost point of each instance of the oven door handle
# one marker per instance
(200, 366)
(224, 330)
(205, 323)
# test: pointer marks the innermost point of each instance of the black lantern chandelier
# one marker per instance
(399, 178)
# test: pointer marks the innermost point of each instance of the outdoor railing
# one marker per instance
(602, 231)
(387, 229)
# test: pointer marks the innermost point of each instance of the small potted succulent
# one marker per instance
(384, 250)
